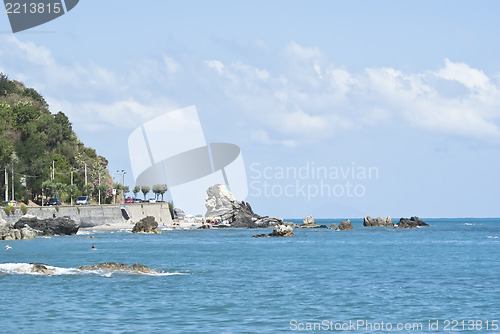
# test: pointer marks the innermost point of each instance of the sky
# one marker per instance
(339, 108)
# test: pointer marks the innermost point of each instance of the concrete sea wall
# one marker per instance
(95, 215)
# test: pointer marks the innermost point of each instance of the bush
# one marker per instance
(24, 209)
(9, 209)
(57, 208)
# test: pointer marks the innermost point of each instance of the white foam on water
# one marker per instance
(25, 269)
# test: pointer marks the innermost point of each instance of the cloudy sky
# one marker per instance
(340, 108)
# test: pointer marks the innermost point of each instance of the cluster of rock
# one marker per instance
(45, 269)
(113, 266)
(221, 203)
(29, 227)
(280, 231)
(369, 221)
(146, 225)
(413, 222)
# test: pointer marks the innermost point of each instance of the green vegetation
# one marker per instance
(160, 189)
(145, 190)
(33, 141)
(24, 209)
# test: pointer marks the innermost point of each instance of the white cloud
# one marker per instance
(306, 98)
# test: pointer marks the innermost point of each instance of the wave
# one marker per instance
(31, 269)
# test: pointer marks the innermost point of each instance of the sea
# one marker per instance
(444, 278)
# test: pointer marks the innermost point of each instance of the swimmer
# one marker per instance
(8, 247)
(93, 247)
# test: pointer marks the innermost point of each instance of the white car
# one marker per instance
(152, 200)
(83, 200)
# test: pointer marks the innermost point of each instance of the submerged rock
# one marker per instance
(344, 226)
(221, 203)
(413, 222)
(146, 225)
(369, 221)
(113, 266)
(51, 226)
(41, 268)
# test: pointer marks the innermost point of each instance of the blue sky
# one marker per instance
(410, 88)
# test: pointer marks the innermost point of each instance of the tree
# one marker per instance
(160, 189)
(104, 191)
(136, 190)
(88, 189)
(145, 190)
(48, 188)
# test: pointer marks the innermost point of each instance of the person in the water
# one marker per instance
(93, 247)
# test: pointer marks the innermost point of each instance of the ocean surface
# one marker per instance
(439, 279)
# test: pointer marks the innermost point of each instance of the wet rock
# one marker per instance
(41, 268)
(9, 233)
(260, 236)
(344, 226)
(282, 231)
(413, 222)
(51, 226)
(369, 221)
(146, 225)
(333, 226)
(113, 266)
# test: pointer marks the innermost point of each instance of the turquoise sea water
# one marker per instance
(225, 281)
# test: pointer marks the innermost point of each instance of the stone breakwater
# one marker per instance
(97, 215)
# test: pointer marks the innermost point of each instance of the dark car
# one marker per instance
(54, 201)
(137, 200)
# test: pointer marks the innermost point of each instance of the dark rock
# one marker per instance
(369, 221)
(322, 226)
(146, 225)
(205, 227)
(50, 226)
(413, 222)
(41, 268)
(345, 225)
(113, 266)
(260, 236)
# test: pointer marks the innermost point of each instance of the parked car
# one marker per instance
(53, 201)
(152, 200)
(129, 200)
(83, 200)
(137, 200)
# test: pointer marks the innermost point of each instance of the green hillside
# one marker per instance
(33, 140)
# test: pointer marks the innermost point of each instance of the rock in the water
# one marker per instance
(146, 225)
(41, 268)
(333, 226)
(9, 233)
(113, 266)
(50, 226)
(309, 222)
(221, 203)
(413, 222)
(369, 221)
(282, 231)
(345, 225)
